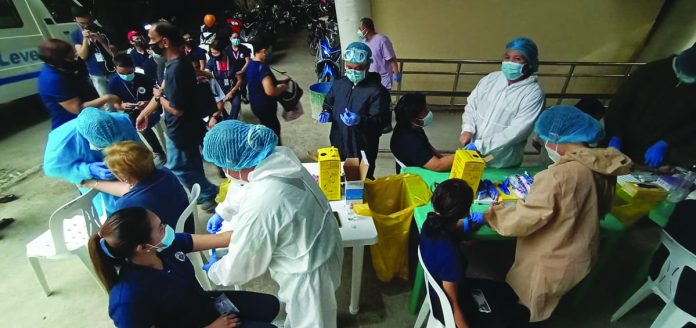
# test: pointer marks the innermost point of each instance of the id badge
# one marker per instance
(224, 306)
(99, 57)
(227, 82)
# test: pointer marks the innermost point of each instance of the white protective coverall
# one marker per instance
(283, 222)
(501, 117)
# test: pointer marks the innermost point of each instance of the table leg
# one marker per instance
(356, 279)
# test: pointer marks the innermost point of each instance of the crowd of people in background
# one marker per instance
(104, 103)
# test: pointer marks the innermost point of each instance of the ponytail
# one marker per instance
(451, 202)
(104, 266)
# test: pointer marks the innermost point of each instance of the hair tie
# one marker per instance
(104, 248)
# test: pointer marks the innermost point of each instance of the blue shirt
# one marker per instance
(56, 86)
(95, 67)
(138, 58)
(139, 89)
(197, 53)
(161, 193)
(259, 100)
(172, 297)
(442, 258)
(225, 78)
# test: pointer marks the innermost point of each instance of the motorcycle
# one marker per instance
(327, 68)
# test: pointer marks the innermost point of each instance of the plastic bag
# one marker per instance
(391, 202)
(222, 193)
(293, 115)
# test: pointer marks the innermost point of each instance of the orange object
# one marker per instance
(209, 20)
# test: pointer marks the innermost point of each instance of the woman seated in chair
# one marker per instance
(439, 249)
(156, 286)
(409, 144)
(140, 183)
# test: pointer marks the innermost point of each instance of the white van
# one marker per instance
(23, 25)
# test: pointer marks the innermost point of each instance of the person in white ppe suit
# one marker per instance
(501, 110)
(280, 220)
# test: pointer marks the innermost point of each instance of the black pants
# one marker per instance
(269, 118)
(255, 309)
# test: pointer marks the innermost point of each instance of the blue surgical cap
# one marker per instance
(528, 48)
(236, 146)
(686, 62)
(567, 124)
(98, 127)
(358, 52)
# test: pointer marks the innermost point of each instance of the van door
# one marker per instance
(20, 37)
(55, 16)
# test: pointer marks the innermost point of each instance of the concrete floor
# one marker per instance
(77, 300)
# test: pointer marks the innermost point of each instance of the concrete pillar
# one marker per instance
(348, 15)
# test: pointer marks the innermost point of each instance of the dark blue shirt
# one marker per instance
(171, 297)
(259, 100)
(56, 86)
(180, 81)
(139, 89)
(95, 67)
(238, 58)
(138, 58)
(410, 146)
(197, 53)
(442, 258)
(161, 193)
(225, 78)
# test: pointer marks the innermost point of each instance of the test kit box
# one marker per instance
(356, 172)
(468, 165)
(330, 172)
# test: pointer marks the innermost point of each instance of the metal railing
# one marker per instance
(612, 70)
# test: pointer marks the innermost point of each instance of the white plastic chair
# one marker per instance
(426, 309)
(69, 229)
(665, 286)
(196, 258)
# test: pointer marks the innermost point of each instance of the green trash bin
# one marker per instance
(317, 92)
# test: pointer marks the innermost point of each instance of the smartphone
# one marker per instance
(480, 300)
(338, 220)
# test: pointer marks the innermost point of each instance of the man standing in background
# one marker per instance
(94, 47)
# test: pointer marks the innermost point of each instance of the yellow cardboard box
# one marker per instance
(468, 165)
(330, 172)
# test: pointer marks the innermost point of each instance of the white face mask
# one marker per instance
(233, 179)
(553, 153)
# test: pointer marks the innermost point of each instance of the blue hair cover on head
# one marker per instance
(568, 124)
(528, 48)
(236, 146)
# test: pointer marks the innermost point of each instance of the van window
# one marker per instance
(60, 10)
(9, 17)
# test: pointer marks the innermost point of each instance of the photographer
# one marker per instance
(94, 47)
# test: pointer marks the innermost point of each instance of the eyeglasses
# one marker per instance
(355, 56)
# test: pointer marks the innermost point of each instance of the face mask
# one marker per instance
(127, 77)
(512, 70)
(553, 154)
(681, 76)
(233, 179)
(155, 56)
(156, 50)
(235, 42)
(355, 76)
(361, 34)
(167, 240)
(428, 119)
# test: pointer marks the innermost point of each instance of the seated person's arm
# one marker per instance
(440, 164)
(450, 289)
(75, 105)
(116, 188)
(529, 215)
(272, 90)
(206, 242)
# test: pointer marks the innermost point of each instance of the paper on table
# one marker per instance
(624, 179)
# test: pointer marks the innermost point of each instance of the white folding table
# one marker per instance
(356, 233)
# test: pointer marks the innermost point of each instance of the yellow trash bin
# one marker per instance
(392, 200)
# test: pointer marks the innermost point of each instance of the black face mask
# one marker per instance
(141, 44)
(156, 49)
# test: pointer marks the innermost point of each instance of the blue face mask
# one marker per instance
(167, 240)
(127, 77)
(235, 42)
(355, 76)
(512, 70)
(428, 119)
(683, 78)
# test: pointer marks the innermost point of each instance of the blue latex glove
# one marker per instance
(492, 191)
(397, 77)
(505, 186)
(213, 259)
(615, 142)
(214, 224)
(656, 154)
(471, 146)
(324, 117)
(350, 118)
(477, 217)
(99, 171)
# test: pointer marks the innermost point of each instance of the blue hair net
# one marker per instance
(358, 52)
(236, 146)
(528, 48)
(99, 127)
(566, 124)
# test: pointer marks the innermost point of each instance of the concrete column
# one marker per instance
(348, 15)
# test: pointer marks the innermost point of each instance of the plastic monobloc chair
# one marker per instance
(426, 312)
(665, 286)
(70, 227)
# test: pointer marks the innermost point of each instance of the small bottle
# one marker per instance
(351, 213)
